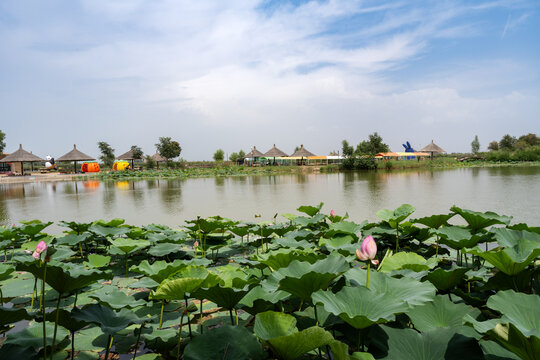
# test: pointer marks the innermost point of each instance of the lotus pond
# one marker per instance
(314, 286)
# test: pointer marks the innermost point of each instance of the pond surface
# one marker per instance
(504, 190)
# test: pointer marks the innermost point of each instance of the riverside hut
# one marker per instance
(253, 155)
(75, 155)
(158, 158)
(128, 156)
(274, 153)
(433, 149)
(301, 154)
(21, 156)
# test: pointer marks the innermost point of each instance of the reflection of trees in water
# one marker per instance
(219, 181)
(137, 191)
(171, 195)
(4, 213)
(109, 196)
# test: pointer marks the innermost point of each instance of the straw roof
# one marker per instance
(75, 155)
(21, 155)
(127, 156)
(158, 158)
(274, 152)
(254, 153)
(302, 152)
(433, 148)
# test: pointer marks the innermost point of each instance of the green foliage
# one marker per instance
(107, 154)
(494, 145)
(475, 145)
(507, 142)
(150, 162)
(168, 148)
(219, 155)
(2, 141)
(137, 152)
(372, 146)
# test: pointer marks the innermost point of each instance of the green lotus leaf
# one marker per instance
(305, 221)
(345, 227)
(289, 216)
(277, 259)
(440, 313)
(66, 320)
(522, 310)
(224, 297)
(129, 245)
(112, 223)
(12, 315)
(97, 261)
(32, 336)
(106, 231)
(270, 325)
(301, 279)
(204, 225)
(290, 243)
(494, 351)
(407, 260)
(164, 249)
(135, 233)
(117, 299)
(258, 300)
(227, 342)
(338, 241)
(409, 290)
(514, 340)
(361, 356)
(13, 351)
(72, 239)
(33, 227)
(5, 244)
(510, 261)
(512, 238)
(457, 237)
(184, 282)
(156, 237)
(478, 220)
(434, 221)
(396, 216)
(158, 270)
(6, 270)
(359, 306)
(77, 227)
(109, 321)
(310, 210)
(445, 279)
(293, 346)
(441, 343)
(240, 230)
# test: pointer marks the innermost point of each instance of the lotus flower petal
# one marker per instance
(369, 247)
(41, 247)
(36, 255)
(360, 255)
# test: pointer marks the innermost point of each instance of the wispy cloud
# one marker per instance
(512, 23)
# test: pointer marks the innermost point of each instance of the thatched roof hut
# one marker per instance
(75, 155)
(433, 149)
(302, 152)
(128, 156)
(158, 158)
(274, 152)
(254, 153)
(21, 156)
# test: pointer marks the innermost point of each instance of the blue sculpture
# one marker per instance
(408, 147)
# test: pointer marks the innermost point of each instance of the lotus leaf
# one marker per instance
(108, 231)
(159, 270)
(228, 342)
(12, 315)
(32, 336)
(109, 321)
(72, 239)
(164, 249)
(310, 210)
(345, 227)
(478, 220)
(287, 242)
(434, 221)
(5, 270)
(407, 260)
(77, 227)
(307, 221)
(445, 279)
(111, 223)
(359, 306)
(457, 237)
(184, 282)
(33, 227)
(258, 300)
(411, 291)
(512, 260)
(97, 261)
(522, 310)
(129, 245)
(277, 259)
(393, 218)
(117, 300)
(271, 324)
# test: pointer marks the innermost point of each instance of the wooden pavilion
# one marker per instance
(75, 155)
(21, 156)
(433, 149)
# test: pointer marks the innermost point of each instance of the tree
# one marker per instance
(494, 146)
(219, 155)
(529, 139)
(346, 149)
(2, 141)
(150, 162)
(137, 152)
(168, 148)
(107, 153)
(372, 146)
(233, 157)
(241, 155)
(507, 142)
(475, 145)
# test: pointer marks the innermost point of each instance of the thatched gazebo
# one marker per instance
(274, 152)
(158, 158)
(128, 156)
(21, 156)
(433, 149)
(302, 153)
(254, 154)
(75, 155)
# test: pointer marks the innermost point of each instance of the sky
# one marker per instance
(236, 74)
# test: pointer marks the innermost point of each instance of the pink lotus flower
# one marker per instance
(40, 248)
(332, 213)
(36, 255)
(368, 250)
(196, 244)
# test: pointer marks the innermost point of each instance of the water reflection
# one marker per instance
(512, 191)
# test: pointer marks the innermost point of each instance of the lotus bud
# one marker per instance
(41, 247)
(196, 244)
(368, 250)
(36, 255)
(332, 213)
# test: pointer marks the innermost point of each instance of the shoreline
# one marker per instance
(208, 173)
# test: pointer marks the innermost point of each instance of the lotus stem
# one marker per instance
(180, 335)
(72, 345)
(55, 323)
(201, 312)
(1, 297)
(109, 344)
(187, 314)
(316, 315)
(137, 342)
(230, 315)
(76, 296)
(236, 313)
(126, 264)
(43, 310)
(397, 237)
(367, 279)
(80, 248)
(437, 246)
(33, 293)
(161, 314)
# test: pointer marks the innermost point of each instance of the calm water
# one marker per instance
(511, 191)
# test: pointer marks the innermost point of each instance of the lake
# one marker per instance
(505, 190)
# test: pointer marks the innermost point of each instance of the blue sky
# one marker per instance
(233, 74)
